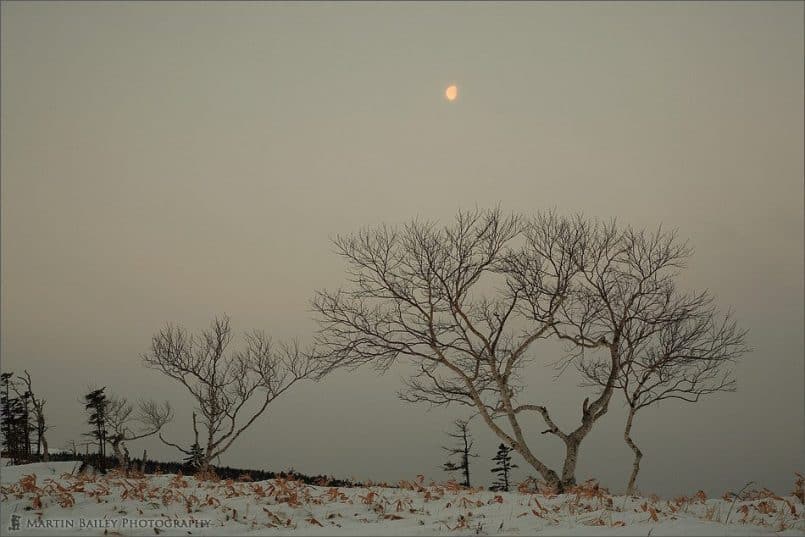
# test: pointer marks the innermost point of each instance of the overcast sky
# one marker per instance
(168, 162)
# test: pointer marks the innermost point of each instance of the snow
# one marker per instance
(42, 470)
(54, 494)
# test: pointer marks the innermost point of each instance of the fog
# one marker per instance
(173, 161)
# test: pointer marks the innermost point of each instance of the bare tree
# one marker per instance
(417, 292)
(623, 278)
(421, 292)
(223, 383)
(684, 356)
(72, 447)
(38, 407)
(125, 424)
(463, 449)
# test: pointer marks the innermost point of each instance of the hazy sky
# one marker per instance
(167, 162)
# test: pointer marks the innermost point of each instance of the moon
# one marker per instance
(451, 93)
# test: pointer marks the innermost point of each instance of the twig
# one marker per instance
(735, 499)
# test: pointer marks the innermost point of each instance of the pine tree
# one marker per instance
(96, 404)
(195, 457)
(465, 443)
(504, 466)
(6, 414)
(16, 419)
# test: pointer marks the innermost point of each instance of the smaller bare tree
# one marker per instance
(38, 408)
(72, 447)
(463, 449)
(126, 424)
(223, 384)
(684, 356)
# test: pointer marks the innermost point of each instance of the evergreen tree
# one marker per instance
(17, 430)
(16, 425)
(96, 404)
(503, 459)
(463, 450)
(195, 457)
(6, 414)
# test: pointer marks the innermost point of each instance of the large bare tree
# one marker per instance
(466, 303)
(684, 356)
(227, 385)
(126, 424)
(418, 292)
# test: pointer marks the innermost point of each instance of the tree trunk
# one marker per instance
(206, 462)
(590, 414)
(551, 477)
(27, 429)
(572, 445)
(630, 487)
(45, 454)
(518, 442)
(40, 433)
(120, 455)
(466, 458)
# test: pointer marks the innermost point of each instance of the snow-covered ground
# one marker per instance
(51, 499)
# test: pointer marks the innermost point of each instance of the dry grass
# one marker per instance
(285, 499)
(799, 488)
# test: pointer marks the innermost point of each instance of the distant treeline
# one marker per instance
(224, 472)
